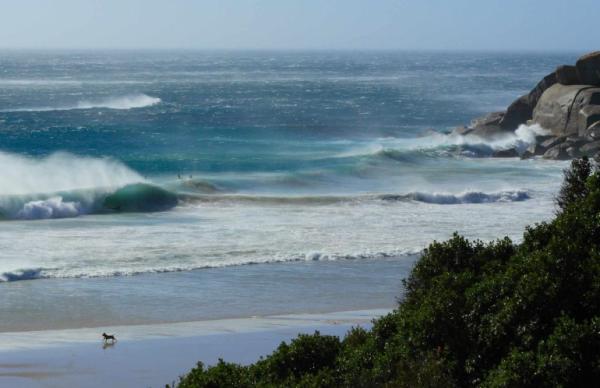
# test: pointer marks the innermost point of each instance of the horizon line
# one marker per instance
(307, 49)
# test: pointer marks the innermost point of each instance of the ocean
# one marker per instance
(163, 186)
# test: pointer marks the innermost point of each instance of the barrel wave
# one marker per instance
(65, 185)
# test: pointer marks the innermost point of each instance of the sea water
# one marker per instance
(168, 173)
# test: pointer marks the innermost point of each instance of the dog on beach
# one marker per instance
(109, 337)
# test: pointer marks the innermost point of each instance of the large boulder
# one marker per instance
(593, 132)
(485, 127)
(588, 68)
(517, 113)
(591, 148)
(533, 150)
(521, 110)
(567, 75)
(558, 108)
(493, 118)
(509, 153)
(558, 152)
(551, 142)
(588, 116)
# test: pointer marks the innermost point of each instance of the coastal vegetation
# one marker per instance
(474, 314)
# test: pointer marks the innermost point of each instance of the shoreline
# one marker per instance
(224, 293)
(36, 339)
(156, 354)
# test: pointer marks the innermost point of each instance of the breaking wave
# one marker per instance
(49, 273)
(463, 198)
(63, 185)
(120, 103)
(132, 198)
(435, 144)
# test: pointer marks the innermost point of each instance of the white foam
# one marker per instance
(520, 139)
(119, 102)
(124, 102)
(50, 208)
(21, 175)
(470, 197)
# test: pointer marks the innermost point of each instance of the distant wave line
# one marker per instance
(118, 103)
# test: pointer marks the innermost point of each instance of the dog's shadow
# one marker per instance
(107, 345)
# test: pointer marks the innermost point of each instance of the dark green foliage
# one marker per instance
(474, 314)
(574, 185)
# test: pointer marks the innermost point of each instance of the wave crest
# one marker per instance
(49, 273)
(469, 197)
(131, 101)
(413, 150)
(123, 102)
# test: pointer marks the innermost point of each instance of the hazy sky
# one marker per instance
(302, 24)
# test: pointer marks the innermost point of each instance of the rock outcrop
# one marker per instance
(561, 109)
(588, 68)
(567, 75)
(566, 103)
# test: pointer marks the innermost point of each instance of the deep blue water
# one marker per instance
(246, 111)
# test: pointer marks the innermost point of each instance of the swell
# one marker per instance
(466, 197)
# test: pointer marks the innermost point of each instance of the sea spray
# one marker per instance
(61, 171)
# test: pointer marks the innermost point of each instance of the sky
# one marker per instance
(540, 25)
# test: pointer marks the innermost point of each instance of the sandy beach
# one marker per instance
(153, 355)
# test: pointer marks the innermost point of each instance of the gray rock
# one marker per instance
(567, 75)
(588, 68)
(575, 140)
(558, 152)
(509, 153)
(553, 141)
(542, 138)
(588, 116)
(590, 148)
(489, 119)
(593, 131)
(536, 149)
(521, 110)
(533, 150)
(485, 126)
(462, 131)
(558, 107)
(527, 155)
(488, 132)
(574, 152)
(517, 113)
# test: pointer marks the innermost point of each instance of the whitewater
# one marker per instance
(232, 175)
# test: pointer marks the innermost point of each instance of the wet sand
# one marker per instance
(153, 355)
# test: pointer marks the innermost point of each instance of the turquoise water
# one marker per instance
(124, 163)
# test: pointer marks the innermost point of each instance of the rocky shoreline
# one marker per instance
(565, 103)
